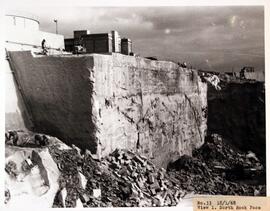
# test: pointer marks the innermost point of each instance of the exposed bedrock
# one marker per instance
(104, 102)
(237, 112)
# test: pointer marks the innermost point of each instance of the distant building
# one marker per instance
(116, 42)
(78, 36)
(69, 44)
(250, 74)
(93, 43)
(126, 46)
(79, 33)
(246, 70)
(98, 43)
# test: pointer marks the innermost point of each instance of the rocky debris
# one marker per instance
(212, 79)
(218, 154)
(218, 168)
(11, 169)
(68, 162)
(29, 168)
(30, 172)
(25, 139)
(127, 179)
(7, 196)
(123, 179)
(27, 165)
(141, 183)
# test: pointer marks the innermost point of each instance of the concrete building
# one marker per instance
(69, 44)
(126, 46)
(116, 42)
(79, 33)
(97, 43)
(78, 40)
(93, 43)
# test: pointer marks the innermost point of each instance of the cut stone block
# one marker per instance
(103, 102)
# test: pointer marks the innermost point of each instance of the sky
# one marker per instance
(215, 38)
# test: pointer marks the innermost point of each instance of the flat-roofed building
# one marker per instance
(126, 46)
(97, 43)
(79, 33)
(69, 44)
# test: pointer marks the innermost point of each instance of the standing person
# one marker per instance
(43, 46)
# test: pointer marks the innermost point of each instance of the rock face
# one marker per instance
(155, 107)
(237, 112)
(104, 102)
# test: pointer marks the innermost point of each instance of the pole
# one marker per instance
(56, 26)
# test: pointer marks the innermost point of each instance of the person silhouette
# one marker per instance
(43, 46)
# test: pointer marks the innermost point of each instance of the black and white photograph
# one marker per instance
(132, 106)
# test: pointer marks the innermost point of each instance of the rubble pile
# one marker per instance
(141, 183)
(29, 173)
(67, 162)
(218, 168)
(124, 179)
(11, 169)
(218, 153)
(22, 138)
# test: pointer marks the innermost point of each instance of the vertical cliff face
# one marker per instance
(16, 116)
(154, 107)
(104, 102)
(57, 92)
(237, 112)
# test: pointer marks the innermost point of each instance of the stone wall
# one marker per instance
(104, 102)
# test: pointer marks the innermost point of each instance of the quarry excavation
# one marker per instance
(136, 147)
(91, 123)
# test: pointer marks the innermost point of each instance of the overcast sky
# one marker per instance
(210, 38)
